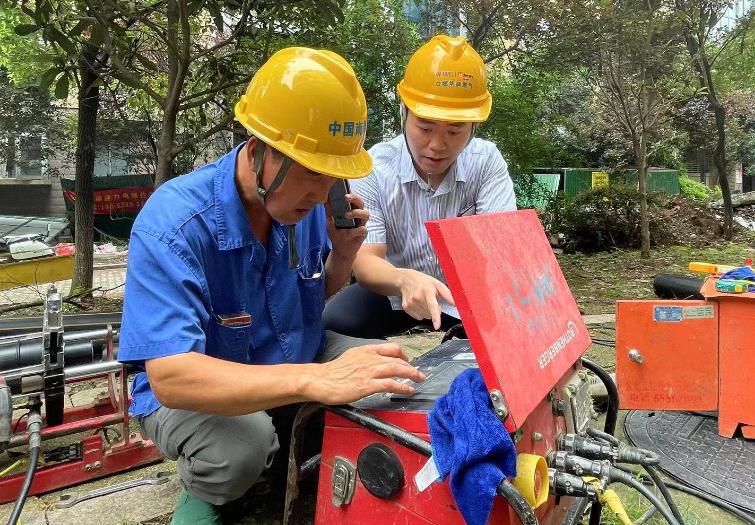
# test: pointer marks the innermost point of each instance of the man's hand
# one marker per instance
(360, 372)
(419, 295)
(346, 241)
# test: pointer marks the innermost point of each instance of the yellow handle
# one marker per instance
(713, 269)
(532, 478)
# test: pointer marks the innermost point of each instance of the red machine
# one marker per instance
(527, 337)
(99, 453)
(690, 355)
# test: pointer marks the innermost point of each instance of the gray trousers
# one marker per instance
(218, 457)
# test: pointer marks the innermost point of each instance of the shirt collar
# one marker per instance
(408, 174)
(233, 228)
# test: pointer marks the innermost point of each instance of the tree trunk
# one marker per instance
(165, 148)
(10, 156)
(642, 170)
(720, 159)
(89, 103)
(170, 111)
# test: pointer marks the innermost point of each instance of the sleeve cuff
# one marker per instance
(141, 353)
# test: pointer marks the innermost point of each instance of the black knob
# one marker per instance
(380, 471)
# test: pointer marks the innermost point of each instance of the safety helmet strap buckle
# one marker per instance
(259, 154)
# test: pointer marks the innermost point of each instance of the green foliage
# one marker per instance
(696, 190)
(377, 41)
(531, 192)
(603, 218)
(735, 67)
(21, 53)
(519, 123)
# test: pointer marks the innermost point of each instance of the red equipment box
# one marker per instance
(689, 355)
(527, 337)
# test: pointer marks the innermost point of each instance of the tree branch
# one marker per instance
(245, 9)
(223, 124)
(506, 50)
(121, 71)
(207, 95)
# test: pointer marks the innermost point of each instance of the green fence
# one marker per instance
(577, 180)
(666, 181)
(547, 188)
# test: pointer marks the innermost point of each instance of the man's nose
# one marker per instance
(437, 142)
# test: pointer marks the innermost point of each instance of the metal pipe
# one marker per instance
(29, 379)
(91, 370)
(66, 429)
(75, 335)
(16, 324)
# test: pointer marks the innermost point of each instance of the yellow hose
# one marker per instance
(610, 499)
(12, 466)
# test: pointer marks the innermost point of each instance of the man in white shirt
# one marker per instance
(434, 170)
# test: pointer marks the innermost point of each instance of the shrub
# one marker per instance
(697, 190)
(530, 192)
(605, 218)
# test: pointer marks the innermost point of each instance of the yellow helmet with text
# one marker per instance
(309, 105)
(446, 80)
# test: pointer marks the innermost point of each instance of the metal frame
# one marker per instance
(99, 458)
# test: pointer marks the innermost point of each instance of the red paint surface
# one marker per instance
(514, 303)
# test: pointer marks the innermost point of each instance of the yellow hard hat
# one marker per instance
(446, 80)
(308, 104)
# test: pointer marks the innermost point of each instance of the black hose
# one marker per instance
(413, 442)
(517, 502)
(377, 425)
(19, 505)
(608, 438)
(664, 492)
(650, 470)
(713, 500)
(718, 502)
(457, 331)
(642, 489)
(612, 415)
(612, 411)
(575, 512)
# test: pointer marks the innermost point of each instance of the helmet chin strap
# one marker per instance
(262, 194)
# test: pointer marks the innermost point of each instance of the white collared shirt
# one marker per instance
(400, 202)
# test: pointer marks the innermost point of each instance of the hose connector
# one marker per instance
(573, 464)
(564, 484)
(586, 447)
(34, 427)
(601, 450)
(6, 413)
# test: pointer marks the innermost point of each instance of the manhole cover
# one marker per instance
(692, 451)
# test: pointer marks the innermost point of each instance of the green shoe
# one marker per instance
(194, 511)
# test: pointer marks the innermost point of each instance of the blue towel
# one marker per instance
(743, 273)
(471, 444)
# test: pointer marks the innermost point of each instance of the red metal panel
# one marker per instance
(736, 358)
(435, 505)
(522, 321)
(96, 462)
(737, 365)
(678, 345)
